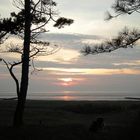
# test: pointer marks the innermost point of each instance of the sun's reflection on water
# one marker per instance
(67, 98)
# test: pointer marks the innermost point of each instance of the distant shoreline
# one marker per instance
(133, 98)
(75, 96)
(45, 99)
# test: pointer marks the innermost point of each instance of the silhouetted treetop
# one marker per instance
(121, 7)
(62, 21)
(41, 13)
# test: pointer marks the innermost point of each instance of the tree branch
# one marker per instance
(41, 25)
(10, 68)
(124, 40)
(121, 7)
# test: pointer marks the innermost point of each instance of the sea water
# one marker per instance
(75, 96)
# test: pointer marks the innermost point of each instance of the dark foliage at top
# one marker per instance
(41, 13)
(63, 21)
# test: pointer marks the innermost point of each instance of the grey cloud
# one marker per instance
(67, 37)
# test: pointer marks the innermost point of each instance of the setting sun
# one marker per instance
(66, 79)
(69, 81)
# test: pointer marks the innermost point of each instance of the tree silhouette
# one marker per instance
(28, 24)
(126, 38)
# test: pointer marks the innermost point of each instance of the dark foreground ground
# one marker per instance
(71, 120)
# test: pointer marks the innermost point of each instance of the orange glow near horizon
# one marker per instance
(85, 71)
(67, 98)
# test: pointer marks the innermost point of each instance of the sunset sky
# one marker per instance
(67, 69)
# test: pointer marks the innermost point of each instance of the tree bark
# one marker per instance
(18, 117)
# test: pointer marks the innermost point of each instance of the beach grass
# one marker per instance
(71, 120)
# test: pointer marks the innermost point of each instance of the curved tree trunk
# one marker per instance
(18, 117)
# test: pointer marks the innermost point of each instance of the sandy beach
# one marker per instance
(71, 120)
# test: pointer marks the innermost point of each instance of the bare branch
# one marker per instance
(18, 4)
(34, 8)
(10, 68)
(34, 68)
(41, 25)
(14, 48)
